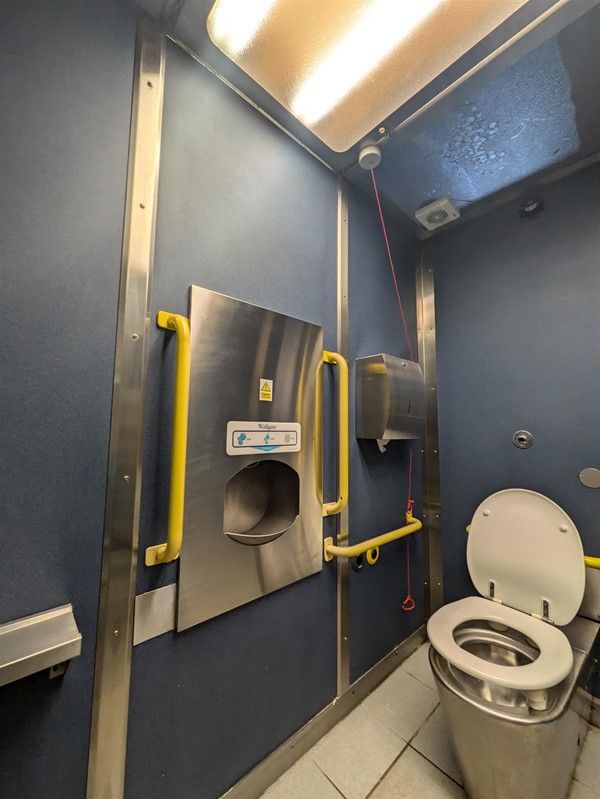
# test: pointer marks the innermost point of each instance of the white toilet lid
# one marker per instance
(529, 548)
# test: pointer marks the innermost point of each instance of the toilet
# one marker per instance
(509, 677)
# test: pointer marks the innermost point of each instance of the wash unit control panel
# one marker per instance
(244, 438)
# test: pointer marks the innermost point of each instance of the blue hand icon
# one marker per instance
(241, 439)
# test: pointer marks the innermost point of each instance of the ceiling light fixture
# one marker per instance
(234, 23)
(383, 27)
(344, 68)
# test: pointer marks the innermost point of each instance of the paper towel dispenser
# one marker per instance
(391, 401)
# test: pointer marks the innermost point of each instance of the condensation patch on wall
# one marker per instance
(520, 123)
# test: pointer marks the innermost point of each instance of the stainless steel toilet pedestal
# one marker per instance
(505, 749)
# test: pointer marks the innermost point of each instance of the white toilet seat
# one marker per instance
(552, 665)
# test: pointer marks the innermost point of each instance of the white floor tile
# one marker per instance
(303, 781)
(413, 777)
(418, 665)
(356, 753)
(433, 741)
(402, 703)
(587, 771)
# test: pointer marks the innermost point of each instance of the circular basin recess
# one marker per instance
(262, 502)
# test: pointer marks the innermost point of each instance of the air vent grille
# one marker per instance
(437, 213)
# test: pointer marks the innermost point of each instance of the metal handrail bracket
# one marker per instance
(330, 551)
(169, 551)
(45, 640)
(331, 508)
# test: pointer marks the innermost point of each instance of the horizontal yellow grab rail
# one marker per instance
(331, 508)
(165, 553)
(593, 563)
(331, 551)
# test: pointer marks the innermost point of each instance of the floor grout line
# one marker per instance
(388, 769)
(439, 768)
(328, 778)
(403, 750)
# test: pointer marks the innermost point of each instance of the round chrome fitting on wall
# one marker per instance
(369, 157)
(522, 439)
(590, 477)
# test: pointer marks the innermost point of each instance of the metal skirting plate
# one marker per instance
(38, 642)
(154, 613)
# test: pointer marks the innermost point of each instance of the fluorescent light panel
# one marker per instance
(235, 22)
(371, 39)
(343, 66)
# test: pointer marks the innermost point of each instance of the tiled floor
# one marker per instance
(395, 746)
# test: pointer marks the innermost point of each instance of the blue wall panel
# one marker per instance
(242, 210)
(66, 98)
(518, 307)
(379, 482)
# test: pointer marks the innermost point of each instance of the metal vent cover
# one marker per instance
(437, 213)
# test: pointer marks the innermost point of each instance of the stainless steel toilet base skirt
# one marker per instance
(505, 749)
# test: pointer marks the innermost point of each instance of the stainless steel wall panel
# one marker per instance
(235, 347)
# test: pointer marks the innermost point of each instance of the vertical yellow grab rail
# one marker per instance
(331, 508)
(165, 553)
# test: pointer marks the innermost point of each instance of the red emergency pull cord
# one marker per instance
(389, 252)
(409, 602)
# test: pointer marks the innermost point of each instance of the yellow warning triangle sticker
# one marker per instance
(266, 388)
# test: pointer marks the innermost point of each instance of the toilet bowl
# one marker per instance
(500, 661)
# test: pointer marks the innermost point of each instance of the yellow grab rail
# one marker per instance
(331, 551)
(593, 563)
(165, 553)
(331, 508)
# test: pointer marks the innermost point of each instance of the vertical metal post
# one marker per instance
(432, 527)
(343, 574)
(106, 774)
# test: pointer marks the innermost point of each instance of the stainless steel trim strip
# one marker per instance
(154, 613)
(343, 520)
(430, 471)
(260, 778)
(115, 622)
